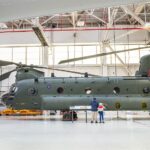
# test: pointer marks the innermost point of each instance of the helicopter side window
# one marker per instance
(32, 91)
(60, 90)
(146, 90)
(116, 90)
(88, 91)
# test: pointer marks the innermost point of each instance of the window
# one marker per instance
(33, 55)
(74, 52)
(146, 90)
(60, 90)
(133, 55)
(32, 91)
(60, 53)
(89, 50)
(19, 55)
(88, 91)
(6, 54)
(116, 90)
(13, 89)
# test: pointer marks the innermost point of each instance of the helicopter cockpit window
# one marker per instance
(116, 90)
(13, 89)
(26, 70)
(146, 90)
(60, 90)
(32, 91)
(88, 91)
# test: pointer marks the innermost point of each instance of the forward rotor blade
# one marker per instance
(5, 63)
(62, 70)
(6, 75)
(98, 55)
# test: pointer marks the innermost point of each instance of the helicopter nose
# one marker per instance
(7, 99)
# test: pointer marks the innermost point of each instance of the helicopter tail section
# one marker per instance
(144, 69)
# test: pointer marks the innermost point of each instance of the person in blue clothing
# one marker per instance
(94, 107)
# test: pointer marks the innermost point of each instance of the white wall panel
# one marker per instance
(67, 37)
(18, 38)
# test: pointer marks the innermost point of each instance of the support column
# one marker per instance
(45, 56)
(104, 63)
(45, 59)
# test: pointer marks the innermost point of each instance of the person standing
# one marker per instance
(101, 108)
(94, 106)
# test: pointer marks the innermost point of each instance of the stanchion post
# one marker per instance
(86, 116)
(72, 115)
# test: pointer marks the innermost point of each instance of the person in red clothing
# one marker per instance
(101, 108)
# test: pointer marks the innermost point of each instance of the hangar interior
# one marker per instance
(79, 34)
(47, 40)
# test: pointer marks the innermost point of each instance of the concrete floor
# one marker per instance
(42, 133)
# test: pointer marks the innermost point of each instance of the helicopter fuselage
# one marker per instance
(122, 93)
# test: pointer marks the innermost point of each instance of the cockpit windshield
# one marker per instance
(13, 89)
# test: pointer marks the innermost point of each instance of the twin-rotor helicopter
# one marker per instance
(34, 91)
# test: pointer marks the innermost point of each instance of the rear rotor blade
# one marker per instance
(101, 54)
(6, 75)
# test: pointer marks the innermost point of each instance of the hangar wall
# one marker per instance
(25, 47)
(82, 36)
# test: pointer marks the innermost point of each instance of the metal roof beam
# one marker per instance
(139, 8)
(130, 12)
(41, 36)
(37, 28)
(111, 21)
(47, 20)
(98, 18)
(74, 17)
(133, 14)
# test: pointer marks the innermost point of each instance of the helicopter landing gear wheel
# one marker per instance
(68, 116)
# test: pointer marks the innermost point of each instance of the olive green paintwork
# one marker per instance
(144, 66)
(28, 73)
(46, 96)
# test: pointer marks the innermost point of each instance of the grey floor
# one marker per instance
(43, 133)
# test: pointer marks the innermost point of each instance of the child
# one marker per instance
(101, 112)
